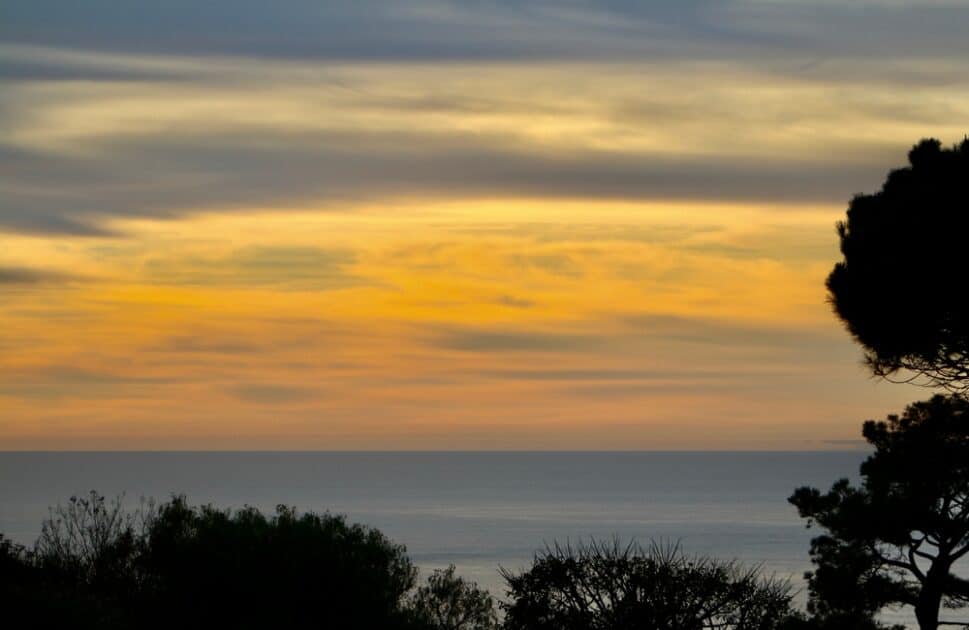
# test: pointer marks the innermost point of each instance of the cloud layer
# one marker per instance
(440, 224)
(163, 109)
(440, 30)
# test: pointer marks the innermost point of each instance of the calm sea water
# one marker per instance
(478, 511)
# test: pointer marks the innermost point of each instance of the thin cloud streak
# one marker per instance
(431, 30)
(27, 277)
(80, 156)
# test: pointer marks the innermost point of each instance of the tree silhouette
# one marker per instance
(222, 568)
(614, 587)
(449, 602)
(96, 565)
(92, 541)
(17, 577)
(898, 537)
(900, 288)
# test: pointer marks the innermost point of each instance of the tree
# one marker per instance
(97, 565)
(900, 289)
(897, 538)
(210, 567)
(82, 569)
(449, 602)
(614, 587)
(16, 571)
(92, 540)
(22, 604)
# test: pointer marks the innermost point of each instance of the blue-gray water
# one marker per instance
(478, 511)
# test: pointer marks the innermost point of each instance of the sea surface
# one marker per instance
(476, 510)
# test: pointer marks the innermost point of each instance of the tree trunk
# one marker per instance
(927, 607)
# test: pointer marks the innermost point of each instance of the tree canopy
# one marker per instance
(900, 288)
(96, 565)
(614, 587)
(898, 538)
(449, 602)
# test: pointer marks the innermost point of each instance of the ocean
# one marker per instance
(476, 510)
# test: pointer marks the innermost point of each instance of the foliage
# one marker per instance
(900, 287)
(92, 541)
(81, 570)
(614, 587)
(449, 602)
(15, 567)
(896, 539)
(19, 585)
(97, 566)
(305, 569)
(11, 557)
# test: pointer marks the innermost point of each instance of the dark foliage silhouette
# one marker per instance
(18, 577)
(80, 572)
(898, 538)
(97, 566)
(449, 602)
(11, 558)
(290, 568)
(94, 542)
(615, 587)
(900, 288)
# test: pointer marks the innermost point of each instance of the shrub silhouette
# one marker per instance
(897, 538)
(96, 566)
(245, 569)
(93, 542)
(18, 577)
(448, 602)
(603, 586)
(80, 572)
(900, 288)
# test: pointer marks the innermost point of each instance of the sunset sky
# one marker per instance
(448, 225)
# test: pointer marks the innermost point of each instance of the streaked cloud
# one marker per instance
(286, 268)
(64, 382)
(205, 345)
(25, 276)
(207, 135)
(366, 30)
(515, 302)
(267, 394)
(444, 224)
(507, 341)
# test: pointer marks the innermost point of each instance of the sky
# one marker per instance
(448, 225)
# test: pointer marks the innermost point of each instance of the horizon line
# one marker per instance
(861, 447)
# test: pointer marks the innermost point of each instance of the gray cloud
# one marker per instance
(558, 264)
(205, 345)
(25, 276)
(729, 350)
(607, 375)
(592, 233)
(63, 381)
(371, 30)
(613, 391)
(170, 174)
(293, 268)
(515, 302)
(480, 340)
(708, 331)
(267, 394)
(778, 347)
(174, 170)
(512, 29)
(26, 68)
